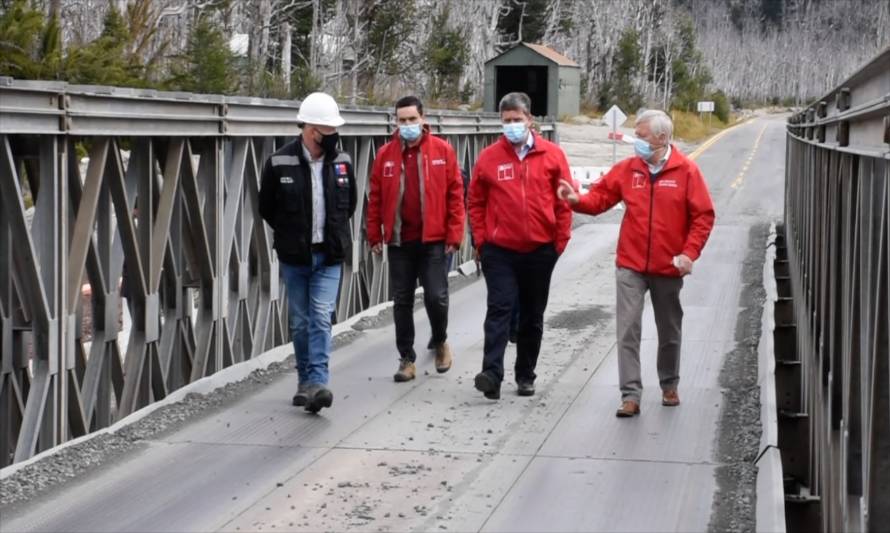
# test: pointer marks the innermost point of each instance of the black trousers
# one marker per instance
(510, 277)
(428, 263)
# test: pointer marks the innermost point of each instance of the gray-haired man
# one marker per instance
(668, 218)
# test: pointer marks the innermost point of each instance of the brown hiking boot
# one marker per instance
(670, 398)
(406, 371)
(443, 358)
(628, 408)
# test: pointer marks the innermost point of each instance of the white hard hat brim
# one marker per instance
(332, 122)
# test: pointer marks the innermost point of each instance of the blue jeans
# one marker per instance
(311, 297)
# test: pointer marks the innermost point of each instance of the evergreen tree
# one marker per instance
(208, 62)
(721, 105)
(690, 74)
(21, 27)
(529, 15)
(104, 61)
(626, 68)
(446, 55)
(389, 26)
(51, 50)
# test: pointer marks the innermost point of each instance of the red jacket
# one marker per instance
(513, 203)
(442, 192)
(665, 217)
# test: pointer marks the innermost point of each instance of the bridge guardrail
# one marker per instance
(833, 346)
(203, 286)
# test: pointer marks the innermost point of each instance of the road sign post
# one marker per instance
(614, 117)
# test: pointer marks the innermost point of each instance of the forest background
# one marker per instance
(634, 53)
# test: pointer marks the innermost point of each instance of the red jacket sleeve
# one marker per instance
(603, 194)
(700, 210)
(456, 212)
(478, 205)
(562, 209)
(374, 220)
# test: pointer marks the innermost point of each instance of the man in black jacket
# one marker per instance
(307, 196)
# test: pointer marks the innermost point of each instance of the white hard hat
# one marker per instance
(320, 109)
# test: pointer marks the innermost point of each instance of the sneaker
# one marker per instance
(488, 386)
(525, 388)
(443, 358)
(300, 398)
(319, 397)
(406, 372)
(628, 409)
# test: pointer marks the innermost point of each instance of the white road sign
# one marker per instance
(706, 107)
(614, 117)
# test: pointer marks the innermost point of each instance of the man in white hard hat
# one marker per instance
(307, 196)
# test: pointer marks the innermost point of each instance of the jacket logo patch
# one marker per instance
(438, 162)
(342, 181)
(341, 169)
(505, 172)
(286, 179)
(389, 169)
(668, 183)
(639, 180)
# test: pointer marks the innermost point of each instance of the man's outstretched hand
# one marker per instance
(567, 192)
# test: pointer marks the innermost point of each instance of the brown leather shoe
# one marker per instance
(443, 358)
(670, 398)
(628, 408)
(406, 371)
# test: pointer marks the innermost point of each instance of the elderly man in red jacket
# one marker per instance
(416, 207)
(668, 218)
(519, 227)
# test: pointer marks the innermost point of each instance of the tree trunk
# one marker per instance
(286, 46)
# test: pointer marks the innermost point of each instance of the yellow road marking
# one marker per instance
(707, 144)
(737, 182)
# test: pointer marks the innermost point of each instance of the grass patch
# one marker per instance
(691, 128)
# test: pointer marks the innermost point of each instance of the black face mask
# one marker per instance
(329, 143)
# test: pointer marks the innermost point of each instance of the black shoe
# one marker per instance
(300, 398)
(513, 337)
(525, 388)
(319, 397)
(488, 386)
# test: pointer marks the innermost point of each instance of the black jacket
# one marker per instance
(285, 200)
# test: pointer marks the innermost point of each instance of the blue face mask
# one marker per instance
(516, 132)
(410, 132)
(643, 149)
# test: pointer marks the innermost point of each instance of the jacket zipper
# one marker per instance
(523, 168)
(649, 237)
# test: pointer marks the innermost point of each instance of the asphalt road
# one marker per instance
(433, 454)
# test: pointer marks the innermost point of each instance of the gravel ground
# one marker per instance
(738, 438)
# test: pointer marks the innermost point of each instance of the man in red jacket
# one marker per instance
(668, 218)
(519, 227)
(416, 207)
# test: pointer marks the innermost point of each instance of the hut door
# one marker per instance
(528, 79)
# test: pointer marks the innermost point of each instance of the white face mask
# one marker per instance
(516, 132)
(410, 132)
